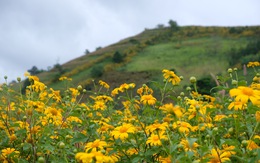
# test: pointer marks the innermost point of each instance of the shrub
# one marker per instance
(97, 71)
(118, 57)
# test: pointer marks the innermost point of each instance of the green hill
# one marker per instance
(189, 51)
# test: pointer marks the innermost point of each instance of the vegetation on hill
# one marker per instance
(188, 50)
(166, 95)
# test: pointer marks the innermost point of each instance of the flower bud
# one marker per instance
(234, 82)
(230, 70)
(231, 130)
(215, 129)
(79, 88)
(244, 143)
(62, 145)
(18, 79)
(188, 88)
(193, 79)
(41, 159)
(24, 118)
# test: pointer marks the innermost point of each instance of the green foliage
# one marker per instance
(118, 57)
(98, 48)
(205, 85)
(57, 126)
(97, 71)
(244, 54)
(173, 25)
(34, 70)
(186, 49)
(86, 52)
(25, 84)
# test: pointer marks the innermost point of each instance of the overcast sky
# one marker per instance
(45, 32)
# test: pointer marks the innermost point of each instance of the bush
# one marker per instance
(118, 57)
(97, 71)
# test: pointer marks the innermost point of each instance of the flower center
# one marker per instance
(123, 130)
(95, 144)
(156, 138)
(248, 91)
(54, 112)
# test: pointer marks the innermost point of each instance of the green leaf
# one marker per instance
(27, 146)
(191, 141)
(79, 137)
(48, 147)
(22, 161)
(136, 159)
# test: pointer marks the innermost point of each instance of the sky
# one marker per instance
(43, 33)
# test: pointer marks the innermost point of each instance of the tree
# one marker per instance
(98, 48)
(173, 25)
(118, 57)
(87, 52)
(160, 26)
(34, 70)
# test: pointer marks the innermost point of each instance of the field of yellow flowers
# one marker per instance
(129, 124)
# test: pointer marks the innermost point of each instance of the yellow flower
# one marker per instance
(237, 105)
(104, 84)
(64, 78)
(12, 137)
(155, 140)
(103, 98)
(188, 146)
(115, 92)
(219, 117)
(132, 151)
(37, 85)
(121, 132)
(169, 108)
(148, 100)
(144, 90)
(84, 157)
(35, 129)
(99, 105)
(244, 94)
(104, 128)
(257, 116)
(74, 119)
(124, 87)
(55, 95)
(26, 74)
(219, 156)
(229, 149)
(157, 126)
(253, 64)
(171, 77)
(53, 112)
(97, 145)
(251, 145)
(7, 151)
(165, 160)
(183, 127)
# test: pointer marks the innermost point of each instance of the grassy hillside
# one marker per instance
(189, 51)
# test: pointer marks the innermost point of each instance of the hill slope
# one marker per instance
(189, 51)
